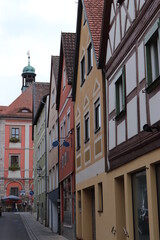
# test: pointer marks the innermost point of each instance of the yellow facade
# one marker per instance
(90, 158)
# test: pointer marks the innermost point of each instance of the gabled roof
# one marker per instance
(21, 107)
(94, 16)
(54, 67)
(40, 89)
(104, 32)
(67, 51)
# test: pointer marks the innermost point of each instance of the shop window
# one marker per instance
(140, 206)
(67, 202)
(100, 197)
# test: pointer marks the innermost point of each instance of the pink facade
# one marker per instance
(66, 135)
(16, 129)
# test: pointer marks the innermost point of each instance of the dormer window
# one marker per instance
(24, 110)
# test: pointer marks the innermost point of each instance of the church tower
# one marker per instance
(28, 75)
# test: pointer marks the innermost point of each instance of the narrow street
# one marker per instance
(23, 226)
(12, 227)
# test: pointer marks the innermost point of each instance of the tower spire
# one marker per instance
(28, 75)
(28, 53)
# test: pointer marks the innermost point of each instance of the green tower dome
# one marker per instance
(29, 68)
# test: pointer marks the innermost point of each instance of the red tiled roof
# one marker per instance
(94, 11)
(68, 41)
(23, 102)
(40, 89)
(67, 51)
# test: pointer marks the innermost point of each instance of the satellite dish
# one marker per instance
(55, 143)
(65, 143)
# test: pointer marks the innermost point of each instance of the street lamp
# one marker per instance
(148, 128)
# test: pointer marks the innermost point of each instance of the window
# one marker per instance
(65, 158)
(86, 127)
(120, 92)
(64, 128)
(90, 57)
(152, 44)
(84, 17)
(82, 71)
(14, 191)
(97, 111)
(50, 141)
(15, 133)
(64, 78)
(53, 97)
(68, 122)
(53, 134)
(78, 136)
(62, 161)
(140, 206)
(14, 160)
(14, 163)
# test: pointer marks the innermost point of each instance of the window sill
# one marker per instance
(86, 141)
(120, 115)
(89, 70)
(82, 82)
(153, 85)
(78, 148)
(100, 211)
(97, 130)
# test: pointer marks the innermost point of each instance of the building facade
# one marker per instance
(89, 110)
(17, 149)
(131, 37)
(64, 105)
(41, 156)
(53, 189)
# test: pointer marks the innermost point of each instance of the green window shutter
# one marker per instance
(123, 88)
(117, 98)
(148, 62)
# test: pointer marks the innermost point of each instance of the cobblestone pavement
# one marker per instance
(36, 230)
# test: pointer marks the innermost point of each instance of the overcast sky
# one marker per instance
(33, 25)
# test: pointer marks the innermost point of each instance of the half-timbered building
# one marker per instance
(131, 53)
